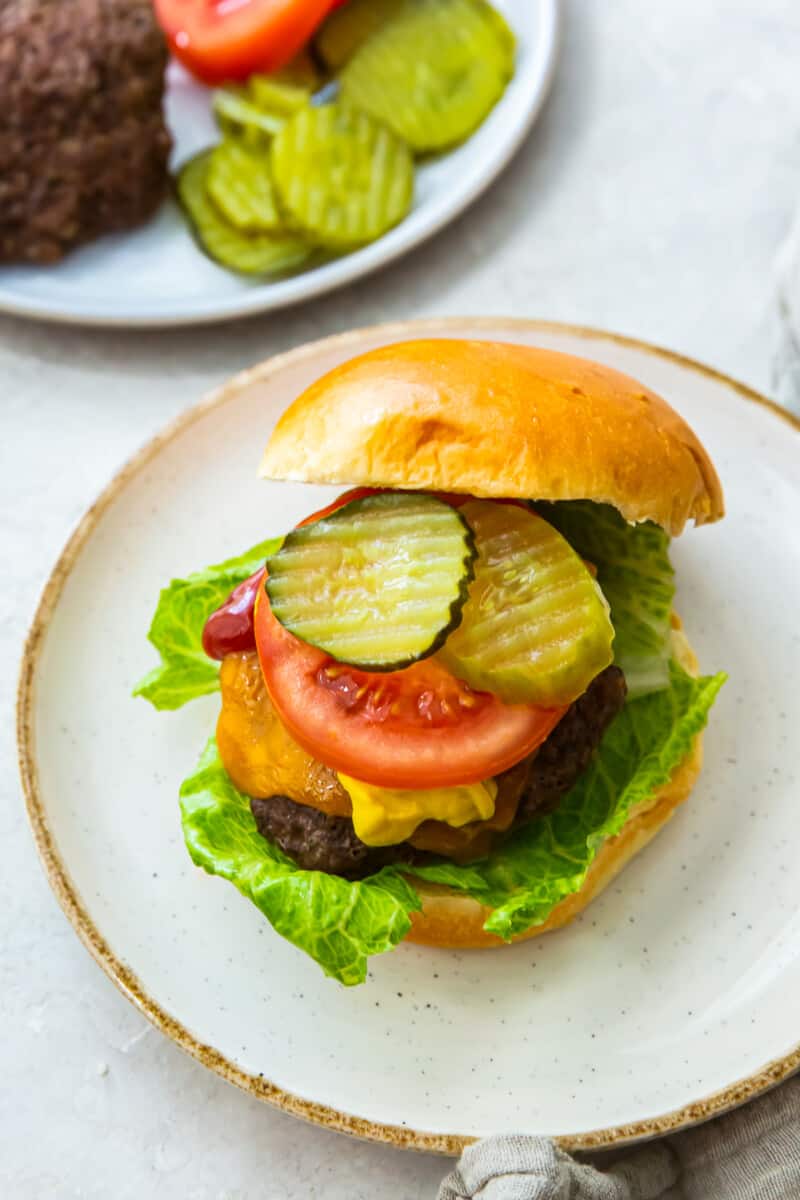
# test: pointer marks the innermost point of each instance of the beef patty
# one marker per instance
(83, 143)
(319, 842)
(565, 755)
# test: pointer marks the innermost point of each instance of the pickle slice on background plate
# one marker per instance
(344, 30)
(237, 116)
(341, 177)
(433, 71)
(240, 184)
(536, 628)
(378, 584)
(250, 254)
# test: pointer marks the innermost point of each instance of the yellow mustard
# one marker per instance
(386, 816)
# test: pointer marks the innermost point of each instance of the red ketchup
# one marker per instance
(230, 629)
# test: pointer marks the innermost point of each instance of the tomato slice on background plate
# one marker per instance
(218, 40)
(416, 728)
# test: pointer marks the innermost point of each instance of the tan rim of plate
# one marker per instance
(128, 983)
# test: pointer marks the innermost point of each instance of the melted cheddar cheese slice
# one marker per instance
(387, 816)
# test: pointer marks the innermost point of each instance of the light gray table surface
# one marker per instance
(651, 198)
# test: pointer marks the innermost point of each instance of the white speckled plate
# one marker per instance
(673, 997)
(168, 281)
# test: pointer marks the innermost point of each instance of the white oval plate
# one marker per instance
(673, 997)
(168, 281)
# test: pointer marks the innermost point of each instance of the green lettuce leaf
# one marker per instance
(185, 671)
(340, 924)
(637, 579)
(524, 878)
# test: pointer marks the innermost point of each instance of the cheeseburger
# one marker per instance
(456, 701)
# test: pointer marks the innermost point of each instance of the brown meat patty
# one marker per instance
(565, 755)
(319, 842)
(83, 144)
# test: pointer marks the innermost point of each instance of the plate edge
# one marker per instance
(766, 1077)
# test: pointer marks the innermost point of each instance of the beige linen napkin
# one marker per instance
(750, 1154)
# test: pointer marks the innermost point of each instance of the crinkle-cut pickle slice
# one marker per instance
(378, 584)
(346, 28)
(251, 254)
(433, 72)
(536, 628)
(340, 176)
(240, 184)
(238, 117)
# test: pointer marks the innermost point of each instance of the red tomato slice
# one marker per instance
(230, 39)
(417, 728)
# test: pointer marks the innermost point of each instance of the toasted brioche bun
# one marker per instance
(449, 919)
(496, 419)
